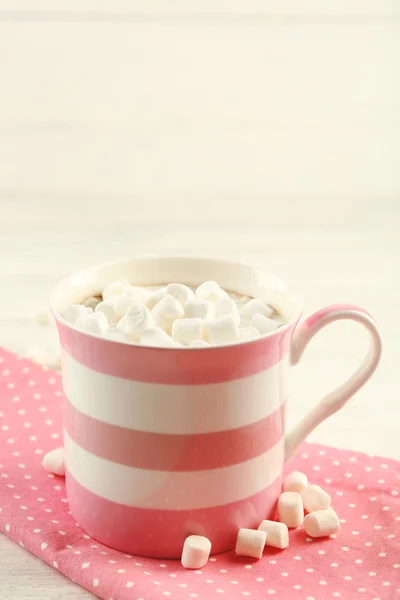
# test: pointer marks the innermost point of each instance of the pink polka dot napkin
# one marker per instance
(363, 561)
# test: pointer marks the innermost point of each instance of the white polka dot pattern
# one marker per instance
(362, 562)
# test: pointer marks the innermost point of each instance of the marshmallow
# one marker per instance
(157, 337)
(116, 288)
(51, 357)
(95, 323)
(180, 292)
(81, 322)
(196, 551)
(223, 330)
(255, 306)
(155, 297)
(53, 462)
(290, 509)
(199, 344)
(321, 523)
(136, 320)
(315, 498)
(210, 290)
(127, 298)
(39, 355)
(202, 309)
(263, 324)
(74, 312)
(166, 312)
(250, 542)
(187, 330)
(91, 302)
(247, 334)
(115, 334)
(140, 293)
(295, 482)
(227, 306)
(44, 317)
(107, 307)
(277, 534)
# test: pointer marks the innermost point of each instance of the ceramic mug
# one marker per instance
(161, 443)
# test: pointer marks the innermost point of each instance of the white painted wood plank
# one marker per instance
(282, 111)
(292, 8)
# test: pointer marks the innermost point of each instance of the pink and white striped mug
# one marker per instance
(161, 443)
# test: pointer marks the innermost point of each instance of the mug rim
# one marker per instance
(290, 291)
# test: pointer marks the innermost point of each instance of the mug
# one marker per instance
(162, 443)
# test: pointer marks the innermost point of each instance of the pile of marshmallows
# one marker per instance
(172, 316)
(297, 496)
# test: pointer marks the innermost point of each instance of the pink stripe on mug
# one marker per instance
(174, 366)
(168, 452)
(127, 520)
(161, 533)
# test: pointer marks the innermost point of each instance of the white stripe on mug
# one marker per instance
(179, 409)
(163, 489)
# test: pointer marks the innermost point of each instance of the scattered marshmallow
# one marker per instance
(115, 334)
(250, 542)
(136, 320)
(321, 523)
(180, 292)
(227, 306)
(155, 297)
(116, 288)
(290, 509)
(53, 462)
(295, 482)
(91, 302)
(44, 317)
(199, 344)
(196, 551)
(247, 334)
(201, 309)
(186, 331)
(253, 307)
(277, 534)
(157, 337)
(39, 355)
(166, 312)
(74, 312)
(210, 290)
(315, 498)
(107, 307)
(264, 324)
(223, 330)
(45, 356)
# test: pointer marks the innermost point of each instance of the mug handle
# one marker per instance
(333, 401)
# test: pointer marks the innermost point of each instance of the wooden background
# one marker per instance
(263, 131)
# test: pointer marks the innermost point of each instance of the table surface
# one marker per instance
(266, 132)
